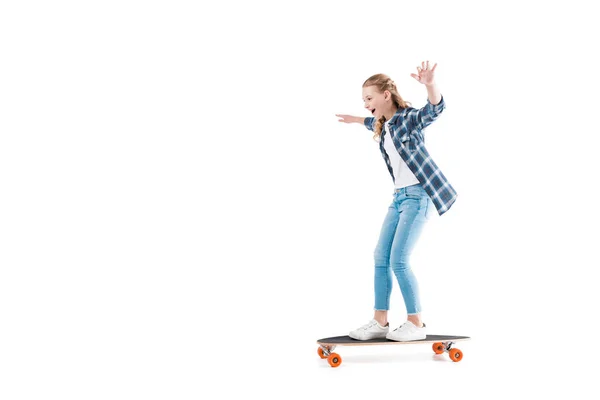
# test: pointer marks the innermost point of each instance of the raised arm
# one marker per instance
(435, 102)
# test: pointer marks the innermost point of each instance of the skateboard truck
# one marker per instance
(326, 349)
(447, 346)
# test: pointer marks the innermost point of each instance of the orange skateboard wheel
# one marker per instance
(334, 360)
(438, 348)
(321, 354)
(456, 355)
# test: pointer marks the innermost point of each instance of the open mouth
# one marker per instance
(373, 111)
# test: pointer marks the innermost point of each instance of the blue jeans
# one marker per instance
(403, 224)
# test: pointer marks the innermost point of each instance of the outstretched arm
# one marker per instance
(349, 119)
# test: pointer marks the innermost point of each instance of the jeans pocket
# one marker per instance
(415, 192)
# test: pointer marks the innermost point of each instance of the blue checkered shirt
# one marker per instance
(406, 128)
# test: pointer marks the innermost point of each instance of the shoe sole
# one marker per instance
(375, 337)
(405, 340)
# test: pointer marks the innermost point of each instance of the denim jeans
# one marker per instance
(403, 224)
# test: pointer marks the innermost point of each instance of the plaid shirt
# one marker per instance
(406, 127)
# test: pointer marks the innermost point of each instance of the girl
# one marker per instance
(419, 186)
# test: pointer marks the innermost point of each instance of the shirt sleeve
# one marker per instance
(427, 114)
(369, 121)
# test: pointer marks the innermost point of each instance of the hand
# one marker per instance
(348, 119)
(425, 75)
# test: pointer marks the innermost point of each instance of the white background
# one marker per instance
(182, 215)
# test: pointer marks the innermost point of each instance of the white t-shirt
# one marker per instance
(403, 176)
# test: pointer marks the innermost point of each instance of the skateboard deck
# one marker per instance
(441, 344)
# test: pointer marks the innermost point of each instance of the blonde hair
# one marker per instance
(382, 82)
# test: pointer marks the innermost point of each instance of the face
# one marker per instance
(375, 102)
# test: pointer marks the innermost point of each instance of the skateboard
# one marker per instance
(441, 344)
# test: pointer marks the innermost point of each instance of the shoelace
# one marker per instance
(402, 327)
(368, 325)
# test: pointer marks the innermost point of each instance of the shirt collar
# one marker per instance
(398, 114)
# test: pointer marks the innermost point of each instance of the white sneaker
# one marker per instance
(370, 330)
(407, 332)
